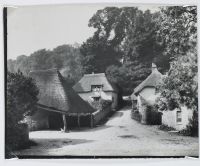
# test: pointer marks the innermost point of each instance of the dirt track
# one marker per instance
(120, 136)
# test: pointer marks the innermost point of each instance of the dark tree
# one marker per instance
(21, 101)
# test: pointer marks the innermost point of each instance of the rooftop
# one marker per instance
(151, 81)
(55, 93)
(85, 83)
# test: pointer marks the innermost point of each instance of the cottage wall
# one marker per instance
(169, 118)
(148, 93)
(104, 96)
(100, 115)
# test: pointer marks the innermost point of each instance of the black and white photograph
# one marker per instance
(101, 81)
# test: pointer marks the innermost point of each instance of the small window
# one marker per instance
(96, 98)
(96, 88)
(179, 116)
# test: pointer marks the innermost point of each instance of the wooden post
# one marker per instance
(78, 120)
(91, 121)
(65, 123)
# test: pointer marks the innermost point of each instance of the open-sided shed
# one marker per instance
(59, 106)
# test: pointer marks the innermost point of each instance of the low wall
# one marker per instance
(169, 118)
(100, 115)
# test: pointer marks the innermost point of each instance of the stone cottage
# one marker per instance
(95, 87)
(59, 106)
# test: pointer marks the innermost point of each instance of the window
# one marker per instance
(96, 98)
(178, 116)
(96, 88)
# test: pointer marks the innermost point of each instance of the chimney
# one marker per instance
(154, 67)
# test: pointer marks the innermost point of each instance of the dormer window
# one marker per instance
(96, 88)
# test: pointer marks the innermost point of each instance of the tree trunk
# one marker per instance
(65, 123)
(91, 121)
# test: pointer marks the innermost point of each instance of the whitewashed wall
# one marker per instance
(169, 118)
(104, 95)
(148, 94)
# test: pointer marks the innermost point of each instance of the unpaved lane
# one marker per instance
(120, 136)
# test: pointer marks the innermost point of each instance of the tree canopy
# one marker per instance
(124, 45)
(21, 97)
(65, 58)
(180, 86)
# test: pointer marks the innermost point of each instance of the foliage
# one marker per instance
(181, 85)
(21, 101)
(124, 46)
(125, 43)
(166, 128)
(177, 30)
(179, 34)
(66, 58)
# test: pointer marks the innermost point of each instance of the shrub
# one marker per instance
(166, 128)
(21, 101)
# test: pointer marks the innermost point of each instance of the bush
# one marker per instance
(21, 101)
(166, 128)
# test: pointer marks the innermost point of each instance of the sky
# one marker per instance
(32, 28)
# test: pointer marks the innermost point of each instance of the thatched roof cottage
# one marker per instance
(96, 86)
(146, 91)
(58, 103)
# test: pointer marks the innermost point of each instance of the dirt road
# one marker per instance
(120, 136)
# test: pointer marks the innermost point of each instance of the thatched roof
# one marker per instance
(133, 97)
(55, 93)
(84, 85)
(151, 81)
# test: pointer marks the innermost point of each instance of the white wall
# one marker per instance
(169, 118)
(104, 96)
(148, 94)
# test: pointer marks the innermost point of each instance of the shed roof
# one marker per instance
(151, 81)
(55, 93)
(133, 97)
(84, 84)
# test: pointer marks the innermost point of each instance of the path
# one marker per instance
(120, 136)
